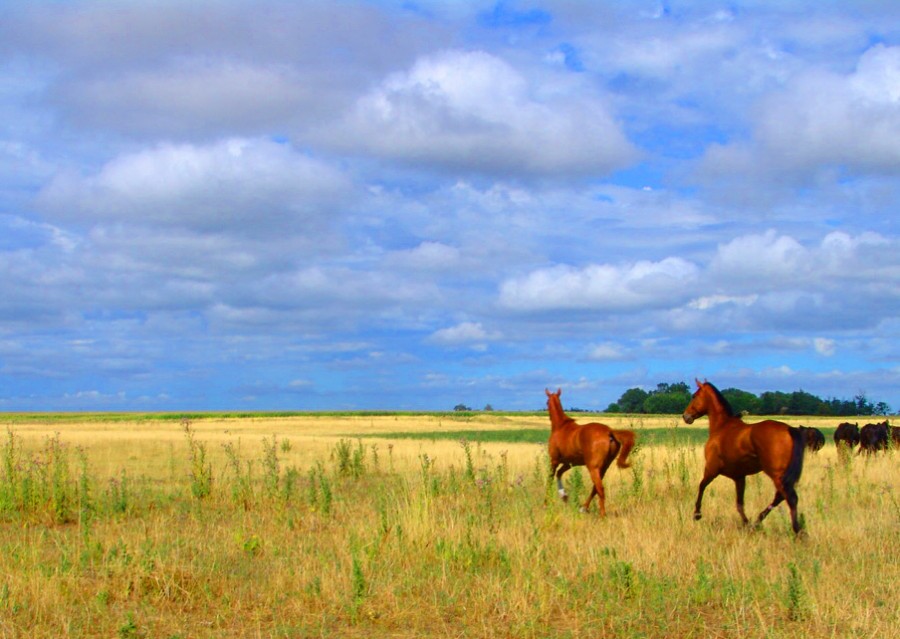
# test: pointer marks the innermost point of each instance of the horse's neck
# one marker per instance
(718, 418)
(558, 418)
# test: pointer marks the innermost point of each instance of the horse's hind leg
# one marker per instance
(559, 485)
(739, 485)
(597, 479)
(792, 504)
(587, 505)
(784, 493)
(778, 499)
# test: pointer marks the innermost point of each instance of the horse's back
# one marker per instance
(580, 442)
(769, 431)
(748, 448)
(774, 444)
(594, 430)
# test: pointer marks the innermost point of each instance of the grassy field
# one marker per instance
(412, 525)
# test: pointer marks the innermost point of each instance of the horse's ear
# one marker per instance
(558, 392)
(698, 382)
(547, 390)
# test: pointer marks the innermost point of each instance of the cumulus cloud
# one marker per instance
(824, 119)
(252, 185)
(602, 287)
(429, 256)
(608, 351)
(195, 72)
(191, 99)
(770, 260)
(769, 281)
(462, 334)
(762, 260)
(473, 111)
(824, 346)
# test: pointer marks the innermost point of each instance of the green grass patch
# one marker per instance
(647, 436)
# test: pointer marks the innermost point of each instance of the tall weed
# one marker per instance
(200, 468)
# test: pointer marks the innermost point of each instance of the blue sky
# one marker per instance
(411, 205)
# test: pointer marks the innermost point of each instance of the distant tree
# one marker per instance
(669, 398)
(488, 408)
(774, 403)
(461, 408)
(669, 403)
(676, 387)
(841, 407)
(882, 409)
(632, 400)
(803, 403)
(863, 405)
(742, 402)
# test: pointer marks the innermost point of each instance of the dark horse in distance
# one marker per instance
(737, 449)
(594, 446)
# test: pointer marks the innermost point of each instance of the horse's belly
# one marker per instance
(742, 468)
(572, 458)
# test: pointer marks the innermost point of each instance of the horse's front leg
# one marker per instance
(559, 484)
(739, 485)
(707, 477)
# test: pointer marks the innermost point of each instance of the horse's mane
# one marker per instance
(724, 402)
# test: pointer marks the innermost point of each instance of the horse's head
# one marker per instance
(554, 406)
(553, 397)
(699, 405)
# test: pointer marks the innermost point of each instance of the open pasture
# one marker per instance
(423, 525)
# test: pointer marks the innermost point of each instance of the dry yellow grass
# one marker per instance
(412, 545)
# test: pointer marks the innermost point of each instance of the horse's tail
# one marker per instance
(795, 467)
(626, 439)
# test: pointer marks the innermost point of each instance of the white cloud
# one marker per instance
(763, 259)
(608, 351)
(824, 119)
(602, 287)
(191, 98)
(773, 261)
(824, 346)
(464, 333)
(252, 185)
(711, 301)
(429, 256)
(473, 111)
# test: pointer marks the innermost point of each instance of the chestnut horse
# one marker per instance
(737, 449)
(592, 445)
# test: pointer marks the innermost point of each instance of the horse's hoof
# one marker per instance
(583, 510)
(697, 516)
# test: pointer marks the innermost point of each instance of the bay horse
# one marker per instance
(736, 449)
(593, 445)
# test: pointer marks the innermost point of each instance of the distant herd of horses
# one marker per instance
(871, 437)
(734, 449)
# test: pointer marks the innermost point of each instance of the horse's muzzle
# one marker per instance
(688, 418)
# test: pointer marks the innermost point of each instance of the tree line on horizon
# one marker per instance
(672, 398)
